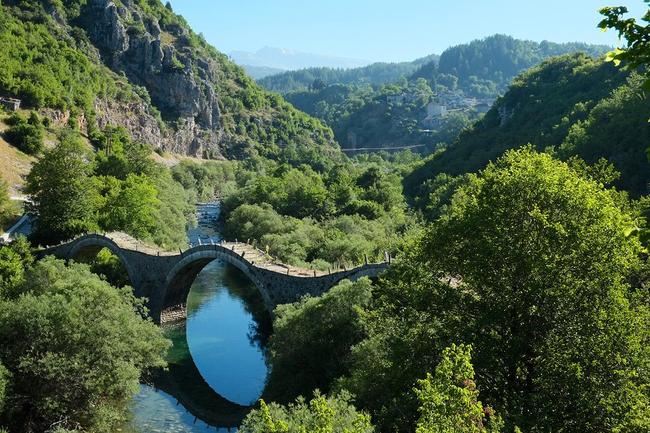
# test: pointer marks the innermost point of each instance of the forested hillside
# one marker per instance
(573, 105)
(368, 109)
(137, 64)
(374, 74)
(493, 62)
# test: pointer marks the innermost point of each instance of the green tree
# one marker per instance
(254, 221)
(26, 134)
(637, 52)
(12, 272)
(449, 399)
(307, 357)
(13, 260)
(129, 205)
(321, 415)
(529, 265)
(75, 348)
(174, 210)
(4, 382)
(306, 195)
(119, 155)
(61, 191)
(108, 266)
(7, 207)
(21, 246)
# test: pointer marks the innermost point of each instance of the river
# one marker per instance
(217, 364)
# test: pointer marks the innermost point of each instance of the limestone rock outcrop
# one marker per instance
(179, 84)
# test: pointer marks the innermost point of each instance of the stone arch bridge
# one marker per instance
(165, 278)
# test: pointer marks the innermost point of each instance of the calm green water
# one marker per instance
(156, 411)
(218, 364)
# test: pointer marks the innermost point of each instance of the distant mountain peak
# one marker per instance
(289, 59)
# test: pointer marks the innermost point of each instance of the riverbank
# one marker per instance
(174, 315)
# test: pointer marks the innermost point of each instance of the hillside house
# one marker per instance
(435, 109)
(435, 115)
(10, 104)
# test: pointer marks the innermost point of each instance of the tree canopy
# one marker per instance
(61, 191)
(307, 357)
(637, 52)
(449, 398)
(26, 134)
(73, 348)
(529, 265)
(322, 414)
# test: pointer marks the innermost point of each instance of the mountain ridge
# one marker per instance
(424, 103)
(572, 105)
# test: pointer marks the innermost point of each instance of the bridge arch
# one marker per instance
(91, 245)
(165, 278)
(180, 278)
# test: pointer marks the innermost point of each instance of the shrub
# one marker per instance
(26, 135)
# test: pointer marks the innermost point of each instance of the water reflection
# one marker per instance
(156, 411)
(220, 348)
(184, 381)
(224, 337)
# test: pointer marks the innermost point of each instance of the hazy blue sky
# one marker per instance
(391, 30)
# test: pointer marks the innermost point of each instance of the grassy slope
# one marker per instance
(14, 165)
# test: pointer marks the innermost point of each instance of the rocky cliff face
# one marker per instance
(136, 64)
(131, 43)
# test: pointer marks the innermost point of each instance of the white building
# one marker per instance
(434, 109)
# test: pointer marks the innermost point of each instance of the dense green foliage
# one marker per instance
(321, 415)
(303, 217)
(4, 379)
(108, 266)
(44, 65)
(573, 104)
(12, 267)
(128, 205)
(493, 61)
(351, 212)
(449, 399)
(307, 357)
(61, 191)
(637, 52)
(116, 189)
(207, 180)
(315, 78)
(635, 55)
(529, 265)
(26, 134)
(448, 404)
(73, 347)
